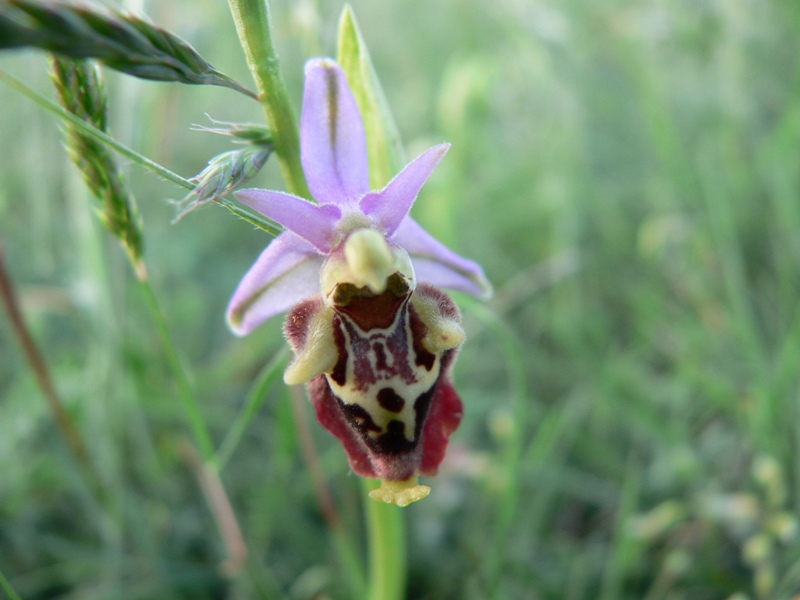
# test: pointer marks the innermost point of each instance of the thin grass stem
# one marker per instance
(41, 373)
(255, 399)
(509, 502)
(186, 393)
(7, 589)
(100, 136)
(221, 509)
(720, 200)
(623, 549)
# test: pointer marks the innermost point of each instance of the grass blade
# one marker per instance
(141, 160)
(119, 40)
(7, 589)
(269, 375)
(383, 140)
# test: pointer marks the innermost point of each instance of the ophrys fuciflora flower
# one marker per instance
(374, 338)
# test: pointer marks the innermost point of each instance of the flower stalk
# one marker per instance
(386, 549)
(252, 21)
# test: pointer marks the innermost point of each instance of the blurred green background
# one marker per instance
(627, 172)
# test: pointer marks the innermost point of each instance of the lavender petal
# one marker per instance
(436, 264)
(312, 222)
(388, 207)
(333, 145)
(286, 272)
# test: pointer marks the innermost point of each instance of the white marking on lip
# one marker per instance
(366, 395)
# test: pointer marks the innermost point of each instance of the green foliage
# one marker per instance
(627, 174)
(120, 41)
(384, 147)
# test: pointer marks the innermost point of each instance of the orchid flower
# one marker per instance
(374, 338)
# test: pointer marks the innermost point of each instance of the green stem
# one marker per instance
(41, 373)
(190, 405)
(350, 559)
(38, 365)
(5, 586)
(509, 502)
(255, 398)
(346, 552)
(102, 137)
(387, 551)
(252, 21)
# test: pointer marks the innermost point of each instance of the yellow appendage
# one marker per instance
(400, 493)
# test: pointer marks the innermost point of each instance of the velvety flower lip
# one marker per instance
(334, 156)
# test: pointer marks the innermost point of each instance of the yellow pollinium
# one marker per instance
(400, 493)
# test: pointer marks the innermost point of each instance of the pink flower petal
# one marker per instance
(333, 145)
(436, 264)
(286, 272)
(388, 207)
(312, 222)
